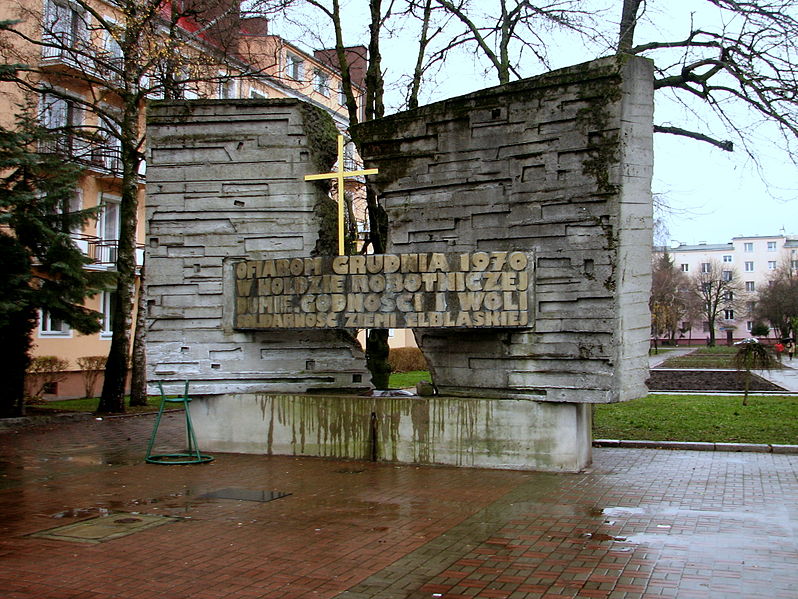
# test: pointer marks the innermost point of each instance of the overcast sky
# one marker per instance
(713, 195)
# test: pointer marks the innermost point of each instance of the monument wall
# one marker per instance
(558, 165)
(225, 183)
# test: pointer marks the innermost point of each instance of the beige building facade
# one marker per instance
(754, 259)
(262, 66)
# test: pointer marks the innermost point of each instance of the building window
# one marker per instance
(321, 83)
(748, 247)
(63, 117)
(728, 296)
(685, 268)
(706, 267)
(49, 326)
(750, 286)
(728, 314)
(771, 265)
(65, 28)
(108, 303)
(706, 326)
(751, 307)
(749, 267)
(726, 275)
(294, 67)
(108, 230)
(727, 258)
(749, 325)
(341, 95)
(794, 264)
(256, 94)
(227, 87)
(771, 246)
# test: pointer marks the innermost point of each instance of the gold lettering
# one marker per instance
(391, 263)
(492, 281)
(438, 262)
(463, 319)
(509, 303)
(360, 284)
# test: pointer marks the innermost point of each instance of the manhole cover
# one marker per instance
(103, 528)
(245, 494)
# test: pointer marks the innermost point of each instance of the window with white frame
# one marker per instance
(728, 296)
(65, 30)
(750, 286)
(771, 246)
(771, 265)
(726, 275)
(749, 267)
(113, 50)
(256, 94)
(706, 267)
(63, 117)
(751, 307)
(49, 326)
(107, 305)
(341, 94)
(794, 264)
(108, 229)
(685, 268)
(749, 325)
(321, 82)
(227, 87)
(748, 246)
(294, 67)
(727, 258)
(728, 314)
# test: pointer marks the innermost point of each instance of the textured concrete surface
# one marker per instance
(639, 524)
(559, 165)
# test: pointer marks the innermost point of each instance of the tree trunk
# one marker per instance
(138, 380)
(14, 361)
(626, 34)
(112, 399)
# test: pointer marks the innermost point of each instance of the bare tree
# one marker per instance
(672, 301)
(777, 302)
(718, 292)
(746, 58)
(114, 57)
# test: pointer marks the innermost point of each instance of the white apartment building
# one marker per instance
(754, 259)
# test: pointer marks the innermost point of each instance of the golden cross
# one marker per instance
(339, 175)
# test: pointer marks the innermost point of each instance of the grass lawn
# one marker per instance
(720, 356)
(403, 380)
(90, 405)
(771, 419)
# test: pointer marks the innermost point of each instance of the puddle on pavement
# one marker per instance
(600, 536)
(245, 495)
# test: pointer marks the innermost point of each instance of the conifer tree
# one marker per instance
(42, 268)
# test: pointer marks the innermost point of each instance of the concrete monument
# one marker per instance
(520, 232)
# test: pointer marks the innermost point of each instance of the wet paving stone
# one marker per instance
(640, 523)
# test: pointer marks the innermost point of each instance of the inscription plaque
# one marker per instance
(425, 290)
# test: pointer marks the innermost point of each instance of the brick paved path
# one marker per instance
(640, 523)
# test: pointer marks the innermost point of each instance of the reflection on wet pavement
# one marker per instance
(639, 524)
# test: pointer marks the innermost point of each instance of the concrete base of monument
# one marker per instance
(483, 433)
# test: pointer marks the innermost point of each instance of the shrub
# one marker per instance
(43, 372)
(407, 359)
(92, 367)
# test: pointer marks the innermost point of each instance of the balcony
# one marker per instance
(103, 252)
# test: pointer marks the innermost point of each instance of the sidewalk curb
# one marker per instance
(698, 446)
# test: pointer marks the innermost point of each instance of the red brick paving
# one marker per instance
(641, 524)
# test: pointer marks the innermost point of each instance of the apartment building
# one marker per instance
(74, 70)
(753, 258)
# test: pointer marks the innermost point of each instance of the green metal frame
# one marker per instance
(192, 454)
